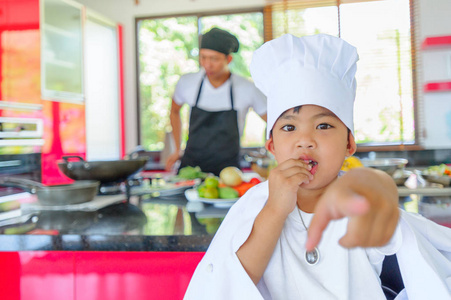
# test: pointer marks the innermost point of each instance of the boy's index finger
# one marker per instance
(337, 208)
(317, 225)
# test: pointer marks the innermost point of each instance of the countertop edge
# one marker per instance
(172, 243)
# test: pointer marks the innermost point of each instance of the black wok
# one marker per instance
(64, 194)
(103, 171)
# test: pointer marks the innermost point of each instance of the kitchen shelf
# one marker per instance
(444, 86)
(429, 191)
(435, 42)
(59, 31)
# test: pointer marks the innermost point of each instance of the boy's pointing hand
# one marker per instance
(369, 198)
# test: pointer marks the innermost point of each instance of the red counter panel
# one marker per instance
(36, 275)
(70, 275)
(133, 275)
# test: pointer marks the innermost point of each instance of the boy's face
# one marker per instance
(313, 134)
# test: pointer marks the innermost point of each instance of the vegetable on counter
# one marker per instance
(227, 192)
(189, 172)
(244, 187)
(229, 185)
(439, 170)
(231, 176)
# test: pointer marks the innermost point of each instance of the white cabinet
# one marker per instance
(101, 88)
(61, 50)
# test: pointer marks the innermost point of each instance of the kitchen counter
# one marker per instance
(149, 223)
(144, 223)
(144, 248)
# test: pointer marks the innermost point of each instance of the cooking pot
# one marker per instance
(103, 171)
(64, 194)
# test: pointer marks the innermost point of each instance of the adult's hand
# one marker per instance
(171, 160)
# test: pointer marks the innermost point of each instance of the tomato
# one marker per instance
(255, 180)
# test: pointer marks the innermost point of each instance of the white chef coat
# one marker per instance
(423, 250)
(245, 95)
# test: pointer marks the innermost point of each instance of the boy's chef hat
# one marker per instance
(318, 69)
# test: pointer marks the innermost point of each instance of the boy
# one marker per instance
(262, 251)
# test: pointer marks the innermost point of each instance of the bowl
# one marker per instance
(400, 176)
(444, 180)
(261, 162)
(388, 165)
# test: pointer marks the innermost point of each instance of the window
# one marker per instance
(380, 29)
(168, 48)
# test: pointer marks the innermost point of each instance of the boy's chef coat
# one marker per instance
(423, 249)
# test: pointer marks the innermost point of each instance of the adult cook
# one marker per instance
(219, 102)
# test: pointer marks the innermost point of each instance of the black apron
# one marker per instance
(214, 140)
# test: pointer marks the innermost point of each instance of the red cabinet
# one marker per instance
(64, 134)
(48, 275)
(63, 123)
(133, 275)
(20, 51)
(36, 275)
(19, 58)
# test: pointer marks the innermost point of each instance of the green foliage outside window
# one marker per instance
(168, 48)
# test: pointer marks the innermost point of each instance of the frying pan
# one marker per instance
(103, 171)
(64, 194)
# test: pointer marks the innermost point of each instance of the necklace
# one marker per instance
(311, 257)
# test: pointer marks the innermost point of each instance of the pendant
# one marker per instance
(312, 257)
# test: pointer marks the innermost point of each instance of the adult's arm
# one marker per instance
(176, 124)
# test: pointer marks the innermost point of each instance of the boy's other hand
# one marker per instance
(369, 198)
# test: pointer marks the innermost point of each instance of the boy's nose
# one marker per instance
(306, 142)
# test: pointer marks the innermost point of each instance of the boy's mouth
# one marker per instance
(312, 164)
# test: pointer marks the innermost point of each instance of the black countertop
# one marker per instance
(148, 222)
(142, 223)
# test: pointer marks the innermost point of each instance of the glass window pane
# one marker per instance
(248, 28)
(168, 48)
(384, 103)
(306, 21)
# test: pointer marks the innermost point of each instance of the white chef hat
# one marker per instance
(318, 69)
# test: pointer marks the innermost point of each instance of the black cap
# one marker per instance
(220, 40)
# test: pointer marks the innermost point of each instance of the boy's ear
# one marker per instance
(269, 145)
(352, 146)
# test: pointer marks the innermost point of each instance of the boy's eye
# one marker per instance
(324, 126)
(288, 128)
